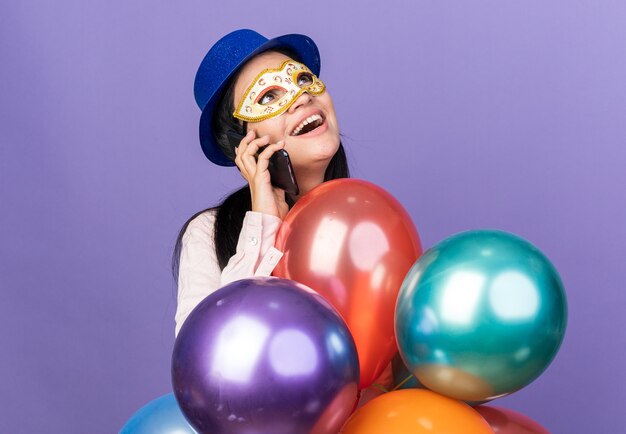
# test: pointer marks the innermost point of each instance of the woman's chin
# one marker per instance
(310, 153)
(312, 164)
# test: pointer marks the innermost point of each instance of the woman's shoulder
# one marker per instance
(205, 220)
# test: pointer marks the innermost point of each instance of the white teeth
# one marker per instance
(305, 122)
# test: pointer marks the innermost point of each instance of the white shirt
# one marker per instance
(199, 273)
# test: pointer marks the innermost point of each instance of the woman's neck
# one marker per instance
(308, 180)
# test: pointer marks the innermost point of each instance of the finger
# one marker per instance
(249, 165)
(264, 157)
(249, 157)
(243, 144)
(244, 172)
(249, 162)
(254, 145)
(240, 165)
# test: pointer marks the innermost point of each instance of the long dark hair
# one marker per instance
(232, 210)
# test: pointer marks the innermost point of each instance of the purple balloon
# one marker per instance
(265, 356)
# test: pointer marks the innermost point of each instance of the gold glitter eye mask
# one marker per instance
(274, 90)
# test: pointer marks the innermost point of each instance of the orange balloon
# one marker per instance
(505, 421)
(416, 411)
(353, 243)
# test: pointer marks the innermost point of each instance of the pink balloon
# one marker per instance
(505, 421)
(353, 243)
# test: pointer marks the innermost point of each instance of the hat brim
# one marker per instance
(307, 53)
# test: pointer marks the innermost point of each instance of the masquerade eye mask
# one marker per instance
(274, 90)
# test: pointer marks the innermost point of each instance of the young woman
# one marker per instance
(268, 91)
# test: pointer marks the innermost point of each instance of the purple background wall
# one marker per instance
(474, 114)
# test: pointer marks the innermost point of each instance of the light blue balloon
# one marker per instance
(480, 315)
(161, 416)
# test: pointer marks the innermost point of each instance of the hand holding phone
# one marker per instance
(281, 171)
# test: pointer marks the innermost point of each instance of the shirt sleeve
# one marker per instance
(199, 272)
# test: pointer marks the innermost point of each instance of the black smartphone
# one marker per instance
(280, 168)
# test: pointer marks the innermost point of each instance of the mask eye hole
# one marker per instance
(270, 95)
(304, 79)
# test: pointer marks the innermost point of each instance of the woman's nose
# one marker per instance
(303, 99)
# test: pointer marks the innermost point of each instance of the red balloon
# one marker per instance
(504, 421)
(353, 243)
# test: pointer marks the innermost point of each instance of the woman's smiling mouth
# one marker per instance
(309, 125)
